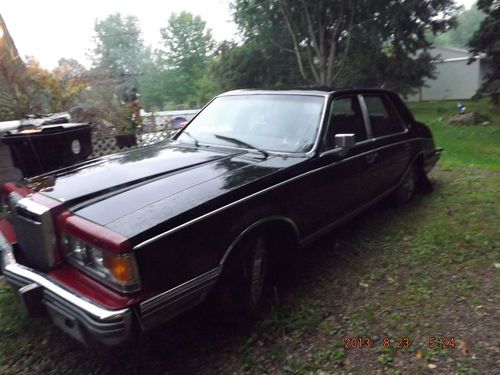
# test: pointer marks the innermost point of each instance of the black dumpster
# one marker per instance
(40, 149)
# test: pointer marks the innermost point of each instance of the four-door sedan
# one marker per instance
(117, 245)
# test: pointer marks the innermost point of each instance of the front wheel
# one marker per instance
(244, 281)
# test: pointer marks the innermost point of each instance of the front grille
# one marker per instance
(34, 231)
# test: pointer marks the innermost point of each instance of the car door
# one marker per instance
(335, 190)
(390, 149)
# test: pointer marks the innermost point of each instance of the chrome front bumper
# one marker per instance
(78, 317)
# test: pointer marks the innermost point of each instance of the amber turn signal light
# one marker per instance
(123, 269)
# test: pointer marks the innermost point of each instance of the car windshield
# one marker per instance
(273, 122)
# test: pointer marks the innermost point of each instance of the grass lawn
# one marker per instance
(426, 270)
(465, 146)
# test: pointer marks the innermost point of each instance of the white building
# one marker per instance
(455, 79)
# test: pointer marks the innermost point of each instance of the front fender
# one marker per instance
(267, 222)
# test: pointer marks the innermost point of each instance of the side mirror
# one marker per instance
(344, 142)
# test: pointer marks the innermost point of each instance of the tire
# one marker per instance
(405, 191)
(244, 283)
(424, 185)
(257, 268)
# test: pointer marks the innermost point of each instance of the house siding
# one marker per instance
(455, 78)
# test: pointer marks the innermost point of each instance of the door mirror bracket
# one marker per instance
(343, 143)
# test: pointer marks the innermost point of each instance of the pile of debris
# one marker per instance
(468, 118)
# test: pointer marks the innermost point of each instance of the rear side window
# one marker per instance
(383, 117)
(345, 118)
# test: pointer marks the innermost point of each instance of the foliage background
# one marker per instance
(284, 44)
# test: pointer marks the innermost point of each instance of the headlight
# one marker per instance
(118, 271)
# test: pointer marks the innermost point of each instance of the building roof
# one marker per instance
(450, 54)
(452, 49)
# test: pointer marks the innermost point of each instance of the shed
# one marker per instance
(455, 78)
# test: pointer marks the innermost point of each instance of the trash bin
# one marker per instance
(8, 172)
(39, 149)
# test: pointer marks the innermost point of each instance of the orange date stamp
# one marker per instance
(398, 343)
(361, 342)
(441, 343)
(357, 343)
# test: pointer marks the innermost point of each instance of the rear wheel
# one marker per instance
(406, 190)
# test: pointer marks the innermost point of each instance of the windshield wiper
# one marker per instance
(241, 143)
(196, 142)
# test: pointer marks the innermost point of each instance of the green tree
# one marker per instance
(118, 53)
(316, 31)
(151, 82)
(487, 40)
(254, 64)
(373, 63)
(468, 22)
(118, 61)
(266, 58)
(322, 32)
(185, 57)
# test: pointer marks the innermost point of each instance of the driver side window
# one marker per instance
(345, 118)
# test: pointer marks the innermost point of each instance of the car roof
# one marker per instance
(276, 92)
(306, 91)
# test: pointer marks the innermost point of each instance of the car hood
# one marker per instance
(106, 175)
(133, 191)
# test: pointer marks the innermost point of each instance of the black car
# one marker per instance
(117, 245)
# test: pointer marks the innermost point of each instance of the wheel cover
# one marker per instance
(408, 186)
(258, 271)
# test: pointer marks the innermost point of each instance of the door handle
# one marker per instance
(371, 158)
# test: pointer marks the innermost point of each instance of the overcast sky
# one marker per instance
(51, 29)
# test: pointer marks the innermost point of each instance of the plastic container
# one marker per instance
(39, 149)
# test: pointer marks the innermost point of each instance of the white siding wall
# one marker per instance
(454, 80)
